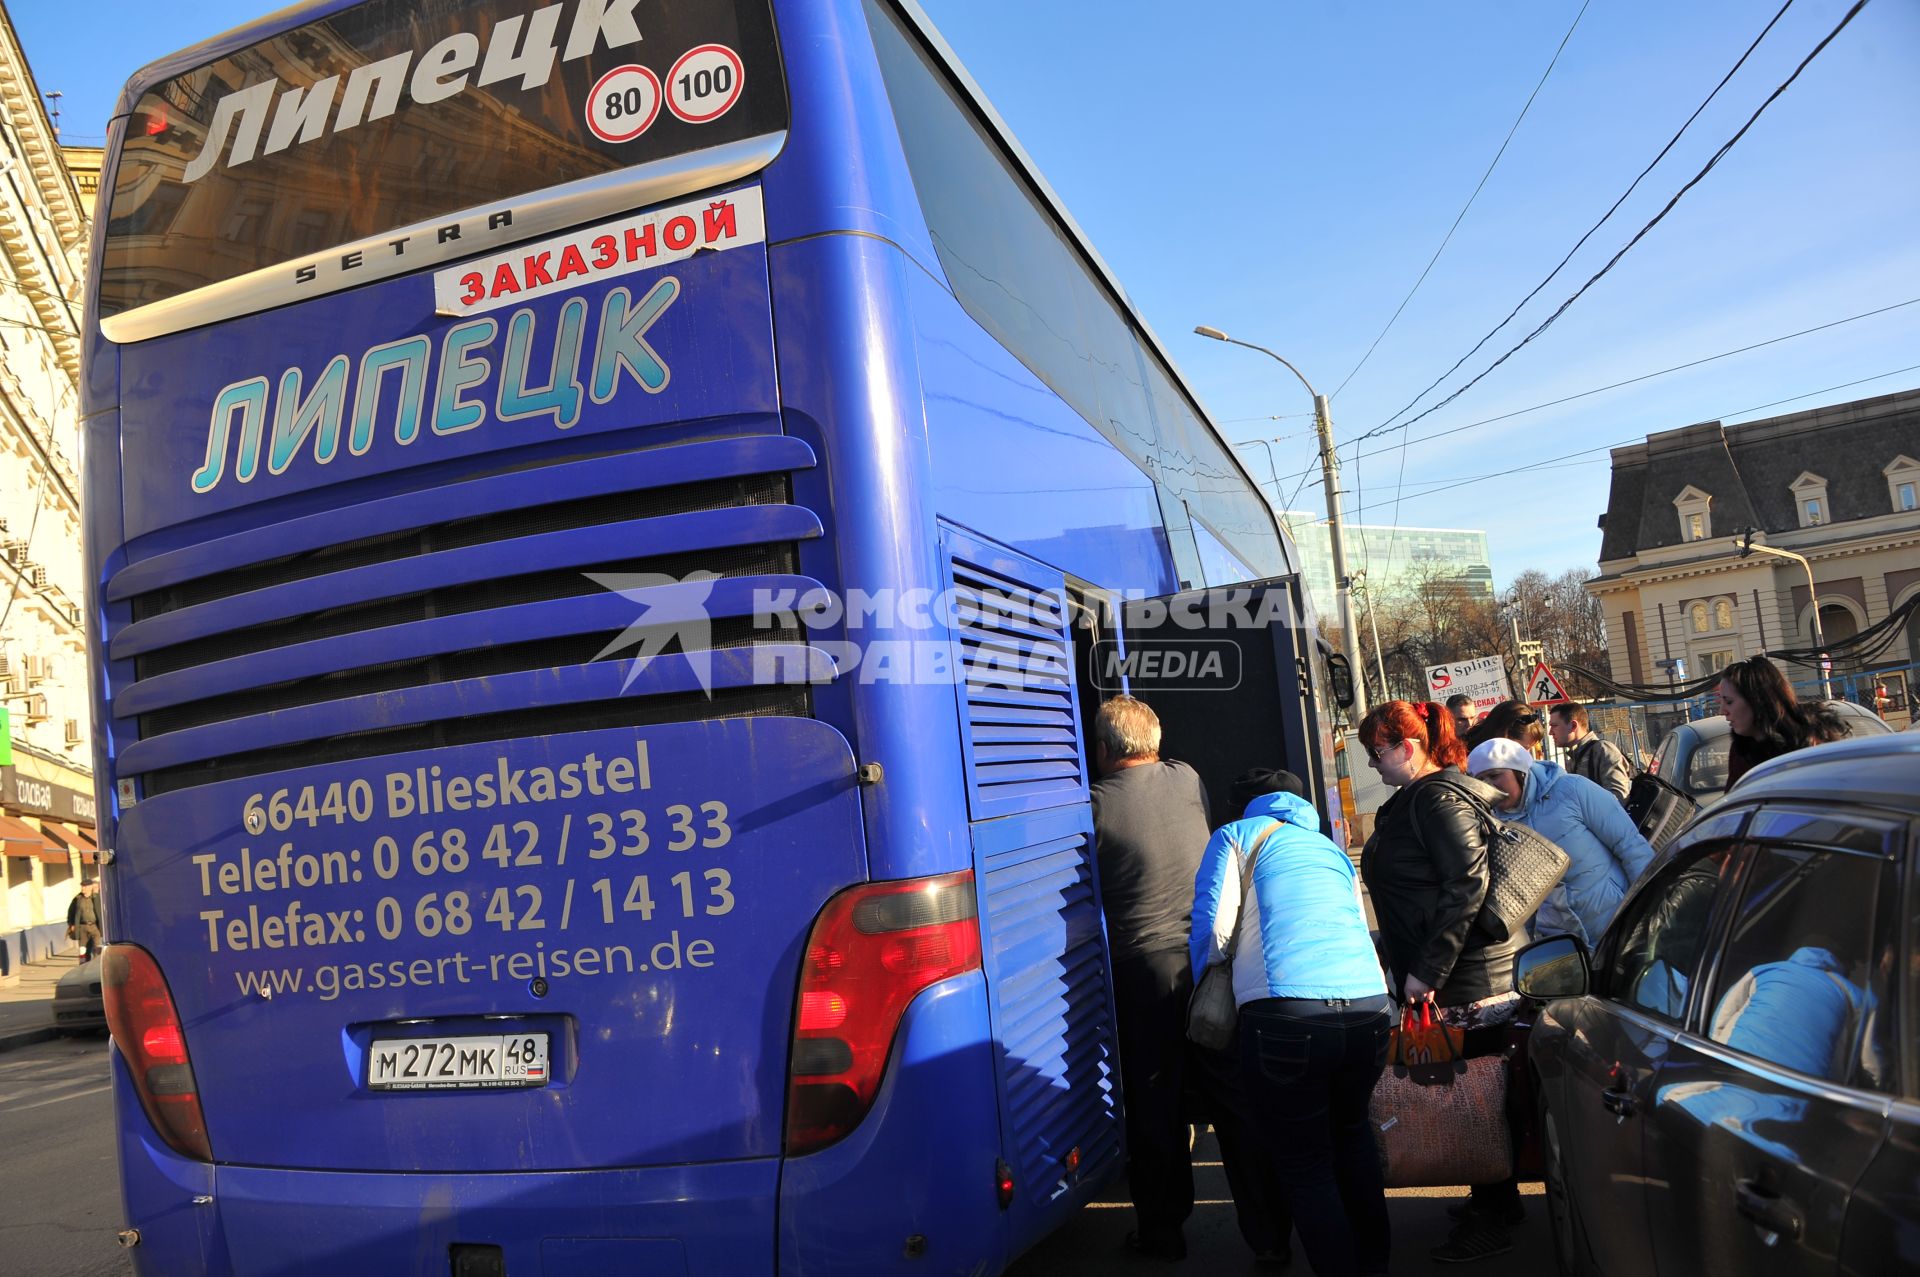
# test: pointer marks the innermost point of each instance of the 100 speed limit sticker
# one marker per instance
(704, 84)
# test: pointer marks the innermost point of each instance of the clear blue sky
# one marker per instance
(1284, 171)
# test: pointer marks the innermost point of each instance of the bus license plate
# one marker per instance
(428, 1064)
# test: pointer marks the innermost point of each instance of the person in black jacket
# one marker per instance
(1425, 870)
(1150, 826)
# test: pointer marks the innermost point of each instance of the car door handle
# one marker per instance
(1617, 1102)
(1768, 1209)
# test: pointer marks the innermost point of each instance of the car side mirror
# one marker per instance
(1340, 680)
(1555, 967)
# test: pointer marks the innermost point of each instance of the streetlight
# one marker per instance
(1330, 471)
(1273, 471)
(1748, 547)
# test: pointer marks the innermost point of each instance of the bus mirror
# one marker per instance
(1340, 680)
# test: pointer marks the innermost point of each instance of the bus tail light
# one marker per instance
(146, 1027)
(872, 949)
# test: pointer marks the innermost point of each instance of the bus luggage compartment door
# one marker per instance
(1044, 949)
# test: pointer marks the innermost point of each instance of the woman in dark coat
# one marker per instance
(1425, 869)
(1766, 718)
(1514, 720)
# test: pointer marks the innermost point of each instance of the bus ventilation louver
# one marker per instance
(1022, 737)
(472, 612)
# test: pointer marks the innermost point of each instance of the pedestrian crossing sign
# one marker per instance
(1543, 688)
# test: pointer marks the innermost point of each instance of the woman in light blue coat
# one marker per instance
(1605, 853)
(1314, 1014)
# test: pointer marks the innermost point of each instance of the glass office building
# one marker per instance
(1392, 557)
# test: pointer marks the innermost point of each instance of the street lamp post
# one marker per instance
(1330, 472)
(1749, 547)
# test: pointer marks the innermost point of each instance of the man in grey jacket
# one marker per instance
(1599, 760)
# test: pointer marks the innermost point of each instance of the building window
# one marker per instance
(1699, 614)
(1723, 614)
(1903, 484)
(1695, 509)
(1716, 661)
(1810, 498)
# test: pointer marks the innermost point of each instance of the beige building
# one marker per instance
(1838, 485)
(46, 785)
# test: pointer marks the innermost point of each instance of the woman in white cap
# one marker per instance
(1605, 853)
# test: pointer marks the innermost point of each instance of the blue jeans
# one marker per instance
(1310, 1067)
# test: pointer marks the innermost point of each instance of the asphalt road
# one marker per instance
(1094, 1242)
(59, 1200)
(59, 1208)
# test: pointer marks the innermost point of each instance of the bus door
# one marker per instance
(1031, 825)
(1231, 673)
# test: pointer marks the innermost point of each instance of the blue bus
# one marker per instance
(608, 524)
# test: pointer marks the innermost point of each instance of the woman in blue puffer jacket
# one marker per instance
(1605, 853)
(1314, 1013)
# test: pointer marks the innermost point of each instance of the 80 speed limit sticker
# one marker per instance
(624, 104)
(705, 83)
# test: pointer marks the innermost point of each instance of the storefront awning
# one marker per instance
(74, 838)
(17, 838)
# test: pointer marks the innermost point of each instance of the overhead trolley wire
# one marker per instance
(1553, 462)
(1615, 385)
(1631, 188)
(1641, 234)
(1448, 238)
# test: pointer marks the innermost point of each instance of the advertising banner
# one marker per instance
(1483, 678)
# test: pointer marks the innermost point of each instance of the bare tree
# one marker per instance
(1431, 616)
(1558, 613)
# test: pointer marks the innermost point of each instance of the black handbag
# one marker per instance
(1522, 867)
(1212, 1014)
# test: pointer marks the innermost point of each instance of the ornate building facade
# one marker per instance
(46, 785)
(1838, 485)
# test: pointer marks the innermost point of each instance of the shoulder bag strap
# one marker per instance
(1246, 887)
(1489, 823)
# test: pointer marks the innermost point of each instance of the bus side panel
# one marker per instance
(850, 388)
(1011, 460)
(920, 1166)
(160, 1191)
(842, 169)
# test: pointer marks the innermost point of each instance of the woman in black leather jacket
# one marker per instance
(1425, 870)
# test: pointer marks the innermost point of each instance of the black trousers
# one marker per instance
(1150, 993)
(1217, 1094)
(1310, 1067)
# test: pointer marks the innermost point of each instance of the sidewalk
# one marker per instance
(26, 1004)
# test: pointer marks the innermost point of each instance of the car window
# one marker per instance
(1707, 769)
(1663, 931)
(1663, 757)
(1803, 982)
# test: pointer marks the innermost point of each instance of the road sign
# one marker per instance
(1543, 688)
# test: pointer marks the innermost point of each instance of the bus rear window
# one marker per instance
(392, 113)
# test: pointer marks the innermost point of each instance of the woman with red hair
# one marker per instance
(1426, 874)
